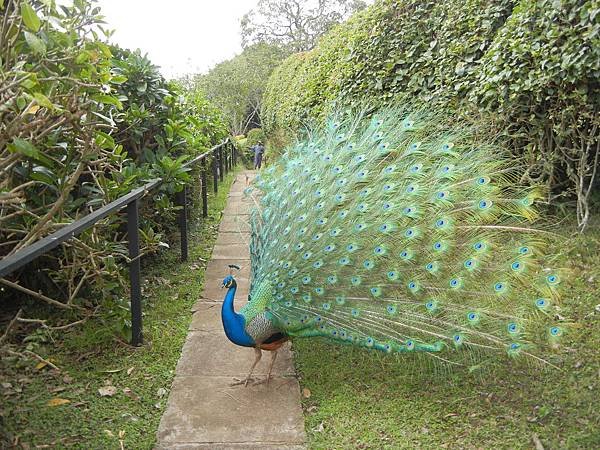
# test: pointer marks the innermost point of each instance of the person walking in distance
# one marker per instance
(259, 150)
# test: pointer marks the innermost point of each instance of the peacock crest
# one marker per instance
(401, 233)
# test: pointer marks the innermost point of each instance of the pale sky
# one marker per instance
(180, 36)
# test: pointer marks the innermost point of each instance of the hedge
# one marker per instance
(528, 68)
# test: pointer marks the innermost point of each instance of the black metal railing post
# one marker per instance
(183, 228)
(215, 172)
(228, 153)
(133, 237)
(221, 165)
(204, 189)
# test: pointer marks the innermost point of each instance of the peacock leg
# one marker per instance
(273, 358)
(268, 378)
(258, 353)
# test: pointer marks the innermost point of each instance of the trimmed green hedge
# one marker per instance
(530, 68)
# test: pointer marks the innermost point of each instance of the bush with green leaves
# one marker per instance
(528, 68)
(236, 85)
(83, 123)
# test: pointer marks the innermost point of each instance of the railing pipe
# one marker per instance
(133, 236)
(182, 219)
(131, 201)
(215, 173)
(221, 163)
(204, 189)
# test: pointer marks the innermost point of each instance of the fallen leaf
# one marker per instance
(107, 391)
(536, 441)
(130, 370)
(67, 379)
(32, 109)
(41, 365)
(157, 405)
(6, 385)
(161, 392)
(129, 393)
(58, 401)
(58, 389)
(109, 433)
(306, 393)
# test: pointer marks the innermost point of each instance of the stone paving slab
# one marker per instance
(210, 353)
(238, 208)
(233, 238)
(210, 411)
(207, 317)
(231, 251)
(234, 224)
(203, 410)
(233, 446)
(217, 269)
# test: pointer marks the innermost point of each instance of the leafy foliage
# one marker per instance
(236, 86)
(528, 68)
(82, 123)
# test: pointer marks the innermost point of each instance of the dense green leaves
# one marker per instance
(30, 18)
(529, 68)
(35, 43)
(236, 86)
(82, 123)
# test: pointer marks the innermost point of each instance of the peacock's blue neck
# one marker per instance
(234, 324)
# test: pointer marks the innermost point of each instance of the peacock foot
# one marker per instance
(240, 381)
(265, 380)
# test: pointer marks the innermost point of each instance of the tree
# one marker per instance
(294, 24)
(236, 86)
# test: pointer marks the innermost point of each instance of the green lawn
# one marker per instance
(352, 398)
(90, 358)
(359, 399)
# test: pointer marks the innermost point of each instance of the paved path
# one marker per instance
(204, 411)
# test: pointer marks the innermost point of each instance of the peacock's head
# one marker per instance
(229, 282)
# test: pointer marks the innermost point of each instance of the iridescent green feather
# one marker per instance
(399, 233)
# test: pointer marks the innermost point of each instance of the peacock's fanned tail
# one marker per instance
(399, 233)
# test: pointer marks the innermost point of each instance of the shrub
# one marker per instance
(529, 68)
(81, 124)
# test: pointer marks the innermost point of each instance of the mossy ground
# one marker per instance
(362, 399)
(91, 357)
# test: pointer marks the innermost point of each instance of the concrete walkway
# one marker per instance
(204, 411)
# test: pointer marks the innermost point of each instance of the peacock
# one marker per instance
(402, 232)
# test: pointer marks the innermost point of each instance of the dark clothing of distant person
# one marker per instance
(259, 150)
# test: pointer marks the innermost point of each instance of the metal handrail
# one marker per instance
(224, 159)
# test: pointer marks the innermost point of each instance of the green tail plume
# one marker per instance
(399, 233)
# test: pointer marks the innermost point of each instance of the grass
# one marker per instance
(90, 358)
(364, 399)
